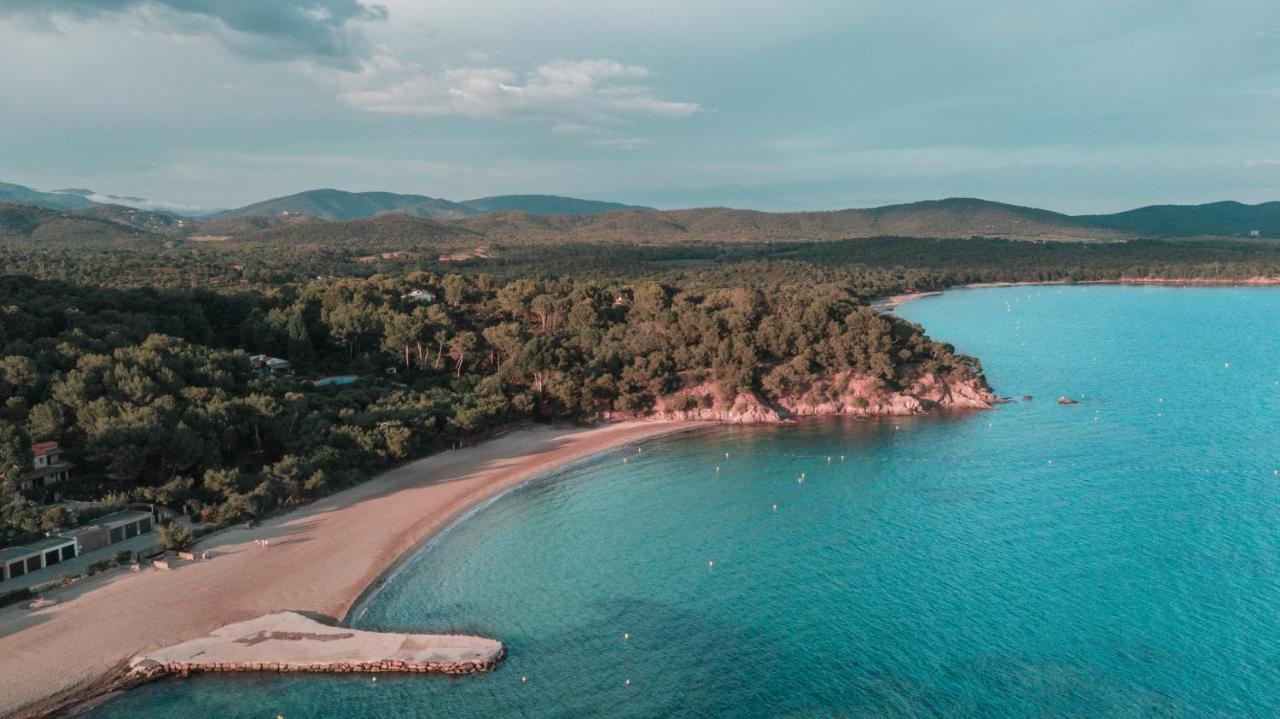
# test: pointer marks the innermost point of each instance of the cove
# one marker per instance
(1119, 557)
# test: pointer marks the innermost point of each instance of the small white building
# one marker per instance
(270, 364)
(419, 295)
(34, 556)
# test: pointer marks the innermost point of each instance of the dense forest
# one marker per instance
(152, 393)
(135, 354)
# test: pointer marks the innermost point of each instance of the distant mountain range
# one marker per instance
(330, 214)
(340, 205)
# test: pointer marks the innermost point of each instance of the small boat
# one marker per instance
(1067, 400)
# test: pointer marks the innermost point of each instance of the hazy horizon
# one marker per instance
(776, 106)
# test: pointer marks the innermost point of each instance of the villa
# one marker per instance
(48, 467)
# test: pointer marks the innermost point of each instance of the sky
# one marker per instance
(1081, 106)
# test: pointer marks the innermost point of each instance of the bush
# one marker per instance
(93, 568)
(176, 538)
(14, 595)
(124, 556)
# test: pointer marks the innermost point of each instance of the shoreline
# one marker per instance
(327, 558)
(888, 303)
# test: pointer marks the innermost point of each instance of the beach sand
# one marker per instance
(320, 558)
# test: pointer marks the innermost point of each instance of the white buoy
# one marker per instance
(710, 563)
(775, 507)
(726, 455)
(627, 683)
(624, 460)
(524, 679)
(626, 636)
(717, 468)
(828, 460)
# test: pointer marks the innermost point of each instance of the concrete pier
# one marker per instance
(292, 642)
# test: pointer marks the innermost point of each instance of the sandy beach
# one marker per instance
(320, 558)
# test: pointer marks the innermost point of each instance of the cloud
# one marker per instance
(557, 91)
(575, 128)
(621, 143)
(321, 31)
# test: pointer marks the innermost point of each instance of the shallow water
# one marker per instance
(1119, 557)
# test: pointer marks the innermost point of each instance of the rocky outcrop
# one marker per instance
(288, 642)
(845, 394)
(703, 403)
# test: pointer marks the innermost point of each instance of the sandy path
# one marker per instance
(320, 559)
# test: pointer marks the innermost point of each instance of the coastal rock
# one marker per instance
(290, 642)
(845, 394)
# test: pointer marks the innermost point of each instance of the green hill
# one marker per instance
(331, 204)
(1214, 218)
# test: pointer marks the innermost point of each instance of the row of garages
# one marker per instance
(107, 530)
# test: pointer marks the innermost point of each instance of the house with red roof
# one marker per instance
(48, 467)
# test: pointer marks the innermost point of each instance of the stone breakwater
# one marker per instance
(288, 642)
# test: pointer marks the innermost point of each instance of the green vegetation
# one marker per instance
(152, 394)
(13, 596)
(175, 538)
(133, 350)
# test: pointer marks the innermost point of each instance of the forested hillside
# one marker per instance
(152, 394)
(131, 347)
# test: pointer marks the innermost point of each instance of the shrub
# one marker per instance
(14, 595)
(94, 567)
(176, 538)
(124, 556)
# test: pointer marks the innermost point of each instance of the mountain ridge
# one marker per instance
(536, 217)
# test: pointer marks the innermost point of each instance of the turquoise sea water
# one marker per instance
(1119, 557)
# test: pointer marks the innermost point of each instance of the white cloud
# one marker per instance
(560, 90)
(621, 143)
(575, 128)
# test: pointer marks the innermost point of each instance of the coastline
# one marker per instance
(888, 303)
(324, 558)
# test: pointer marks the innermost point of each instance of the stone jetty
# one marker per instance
(292, 642)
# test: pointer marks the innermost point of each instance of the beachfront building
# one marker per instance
(48, 467)
(34, 556)
(125, 524)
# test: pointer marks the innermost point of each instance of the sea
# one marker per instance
(1118, 557)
